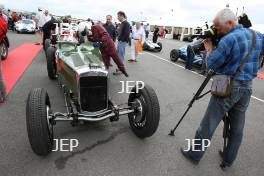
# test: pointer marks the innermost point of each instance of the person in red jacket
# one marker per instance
(3, 30)
(103, 40)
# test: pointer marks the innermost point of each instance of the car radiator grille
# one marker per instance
(93, 93)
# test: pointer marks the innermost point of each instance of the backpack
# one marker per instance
(3, 27)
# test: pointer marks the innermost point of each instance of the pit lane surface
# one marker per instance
(111, 148)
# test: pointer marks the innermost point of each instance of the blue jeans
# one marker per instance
(121, 48)
(236, 106)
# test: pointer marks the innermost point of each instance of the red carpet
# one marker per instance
(261, 76)
(17, 62)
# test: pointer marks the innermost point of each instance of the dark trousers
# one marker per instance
(189, 58)
(155, 38)
(46, 35)
(147, 34)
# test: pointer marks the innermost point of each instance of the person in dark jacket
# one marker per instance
(155, 35)
(110, 28)
(47, 28)
(123, 36)
(103, 40)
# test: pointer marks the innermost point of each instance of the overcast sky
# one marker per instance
(171, 11)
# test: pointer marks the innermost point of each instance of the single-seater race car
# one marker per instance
(190, 53)
(25, 26)
(84, 80)
(150, 46)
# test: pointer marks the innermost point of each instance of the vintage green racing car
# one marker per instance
(84, 80)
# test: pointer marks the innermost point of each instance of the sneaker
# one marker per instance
(188, 157)
(131, 60)
(224, 165)
(117, 72)
(125, 73)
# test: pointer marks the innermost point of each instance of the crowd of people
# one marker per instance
(122, 33)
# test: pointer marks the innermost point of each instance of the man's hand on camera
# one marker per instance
(208, 46)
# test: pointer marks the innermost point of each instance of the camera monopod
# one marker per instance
(197, 96)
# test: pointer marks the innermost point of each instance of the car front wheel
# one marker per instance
(144, 120)
(39, 128)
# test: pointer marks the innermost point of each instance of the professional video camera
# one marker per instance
(208, 33)
(244, 20)
(211, 33)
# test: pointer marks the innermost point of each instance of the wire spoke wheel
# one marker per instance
(144, 120)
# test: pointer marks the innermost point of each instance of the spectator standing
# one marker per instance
(138, 37)
(155, 35)
(41, 19)
(147, 30)
(49, 28)
(110, 28)
(123, 37)
(14, 19)
(83, 27)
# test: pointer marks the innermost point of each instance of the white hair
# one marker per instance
(226, 15)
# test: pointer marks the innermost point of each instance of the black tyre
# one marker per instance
(47, 44)
(145, 46)
(160, 48)
(174, 55)
(51, 64)
(189, 39)
(4, 52)
(145, 120)
(39, 128)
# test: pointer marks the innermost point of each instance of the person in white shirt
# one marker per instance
(41, 19)
(83, 26)
(147, 30)
(138, 35)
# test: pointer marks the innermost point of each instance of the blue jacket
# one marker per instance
(232, 49)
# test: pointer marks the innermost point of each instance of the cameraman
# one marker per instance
(226, 59)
